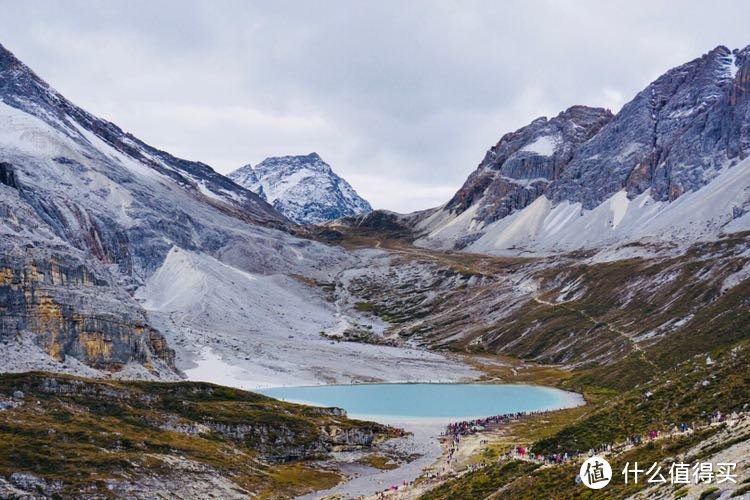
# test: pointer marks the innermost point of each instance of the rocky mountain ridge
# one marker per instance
(519, 168)
(615, 175)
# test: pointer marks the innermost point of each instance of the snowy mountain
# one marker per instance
(670, 167)
(303, 188)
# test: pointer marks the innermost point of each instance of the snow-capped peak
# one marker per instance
(303, 188)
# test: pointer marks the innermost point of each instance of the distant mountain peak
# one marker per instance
(304, 188)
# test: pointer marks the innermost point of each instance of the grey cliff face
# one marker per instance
(105, 150)
(673, 137)
(72, 312)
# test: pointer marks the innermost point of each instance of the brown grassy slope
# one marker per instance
(84, 433)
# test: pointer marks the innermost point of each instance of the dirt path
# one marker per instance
(627, 336)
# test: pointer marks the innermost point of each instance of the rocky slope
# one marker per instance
(67, 437)
(303, 188)
(668, 167)
(691, 392)
(518, 169)
(110, 248)
(628, 317)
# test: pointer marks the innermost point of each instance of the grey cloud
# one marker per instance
(402, 98)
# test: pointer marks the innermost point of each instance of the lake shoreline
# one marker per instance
(429, 403)
(426, 433)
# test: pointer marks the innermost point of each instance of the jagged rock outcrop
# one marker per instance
(520, 167)
(673, 137)
(303, 188)
(71, 312)
(7, 175)
(281, 444)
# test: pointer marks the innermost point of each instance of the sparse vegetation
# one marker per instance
(481, 483)
(86, 434)
(379, 462)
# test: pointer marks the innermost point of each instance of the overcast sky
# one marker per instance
(401, 97)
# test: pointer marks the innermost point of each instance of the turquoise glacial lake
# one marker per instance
(445, 402)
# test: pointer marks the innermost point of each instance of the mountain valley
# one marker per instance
(606, 254)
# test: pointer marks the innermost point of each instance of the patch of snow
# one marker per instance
(683, 321)
(619, 204)
(278, 190)
(205, 191)
(732, 67)
(525, 182)
(543, 146)
(736, 278)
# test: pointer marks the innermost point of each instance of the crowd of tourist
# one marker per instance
(467, 427)
(455, 431)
